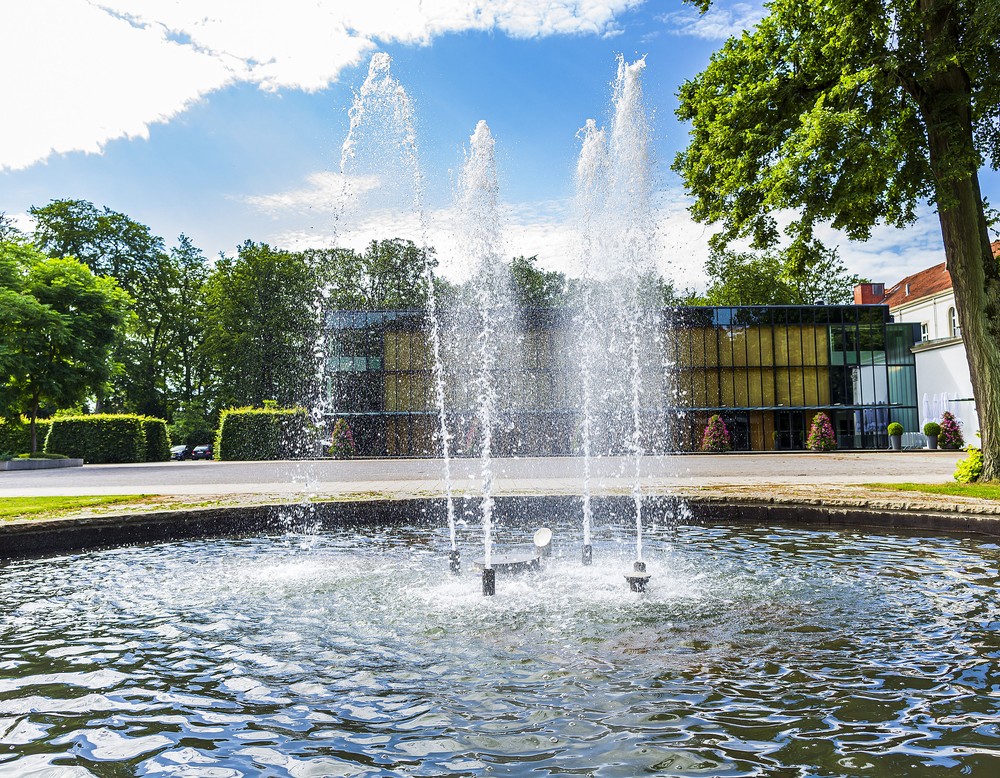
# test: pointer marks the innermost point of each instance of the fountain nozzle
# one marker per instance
(455, 561)
(638, 578)
(489, 581)
(588, 554)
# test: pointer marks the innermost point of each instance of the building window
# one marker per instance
(924, 332)
(956, 331)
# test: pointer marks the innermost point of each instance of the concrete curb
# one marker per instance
(29, 538)
(39, 464)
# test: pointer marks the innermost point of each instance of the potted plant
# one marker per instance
(931, 430)
(716, 436)
(342, 441)
(950, 436)
(821, 437)
(895, 431)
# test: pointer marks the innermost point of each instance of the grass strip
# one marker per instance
(37, 507)
(977, 491)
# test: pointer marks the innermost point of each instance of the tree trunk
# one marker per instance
(974, 272)
(34, 424)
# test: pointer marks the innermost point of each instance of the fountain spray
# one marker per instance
(382, 96)
(478, 196)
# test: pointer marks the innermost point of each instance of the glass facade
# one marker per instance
(766, 370)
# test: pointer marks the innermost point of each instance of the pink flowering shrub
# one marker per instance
(821, 437)
(716, 436)
(950, 436)
(342, 440)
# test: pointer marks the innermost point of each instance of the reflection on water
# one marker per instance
(757, 651)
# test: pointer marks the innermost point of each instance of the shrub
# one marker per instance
(102, 438)
(932, 428)
(970, 468)
(951, 432)
(895, 428)
(264, 433)
(15, 436)
(342, 440)
(821, 437)
(157, 440)
(716, 436)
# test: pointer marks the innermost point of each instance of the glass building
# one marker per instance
(767, 370)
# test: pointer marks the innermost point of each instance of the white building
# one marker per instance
(927, 298)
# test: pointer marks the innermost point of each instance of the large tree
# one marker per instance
(769, 278)
(58, 325)
(263, 326)
(388, 275)
(851, 113)
(109, 242)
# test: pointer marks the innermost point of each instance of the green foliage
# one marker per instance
(932, 428)
(821, 436)
(388, 275)
(771, 278)
(15, 435)
(110, 243)
(970, 469)
(42, 455)
(895, 428)
(342, 440)
(535, 288)
(264, 433)
(58, 324)
(157, 441)
(951, 437)
(829, 114)
(99, 439)
(263, 326)
(716, 436)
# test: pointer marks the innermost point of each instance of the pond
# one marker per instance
(755, 651)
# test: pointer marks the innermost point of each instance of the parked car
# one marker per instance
(180, 452)
(201, 452)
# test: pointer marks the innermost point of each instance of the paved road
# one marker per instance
(424, 476)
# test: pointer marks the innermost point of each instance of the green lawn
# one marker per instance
(981, 491)
(33, 507)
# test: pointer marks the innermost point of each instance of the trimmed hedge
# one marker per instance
(265, 433)
(157, 439)
(106, 438)
(16, 438)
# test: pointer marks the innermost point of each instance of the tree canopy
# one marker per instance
(58, 325)
(770, 278)
(852, 114)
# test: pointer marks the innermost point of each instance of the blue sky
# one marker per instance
(224, 119)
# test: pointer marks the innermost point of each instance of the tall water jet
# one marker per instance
(629, 195)
(382, 100)
(591, 173)
(614, 188)
(478, 203)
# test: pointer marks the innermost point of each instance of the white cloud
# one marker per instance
(82, 73)
(76, 77)
(718, 23)
(545, 228)
(324, 191)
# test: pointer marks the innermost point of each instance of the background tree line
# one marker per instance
(96, 311)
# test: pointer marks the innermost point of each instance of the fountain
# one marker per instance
(761, 650)
(613, 199)
(383, 101)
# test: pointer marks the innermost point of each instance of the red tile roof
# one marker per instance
(933, 280)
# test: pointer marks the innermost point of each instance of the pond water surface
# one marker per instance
(756, 651)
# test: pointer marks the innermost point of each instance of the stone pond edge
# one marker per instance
(42, 537)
